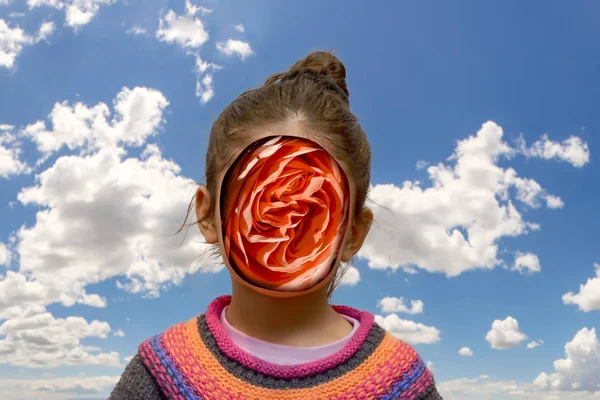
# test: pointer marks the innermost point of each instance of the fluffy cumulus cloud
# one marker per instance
(137, 115)
(527, 263)
(10, 162)
(465, 351)
(204, 88)
(95, 197)
(31, 337)
(580, 369)
(77, 12)
(137, 30)
(588, 298)
(13, 39)
(485, 388)
(350, 277)
(395, 304)
(56, 388)
(455, 224)
(5, 255)
(409, 331)
(235, 47)
(119, 333)
(572, 150)
(505, 334)
(185, 30)
(575, 377)
(534, 343)
(188, 32)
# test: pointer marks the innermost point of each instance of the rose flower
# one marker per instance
(284, 213)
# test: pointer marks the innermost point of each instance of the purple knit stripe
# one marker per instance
(227, 346)
(157, 369)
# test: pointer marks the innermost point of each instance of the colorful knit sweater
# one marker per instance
(197, 360)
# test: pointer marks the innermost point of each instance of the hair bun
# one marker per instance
(324, 63)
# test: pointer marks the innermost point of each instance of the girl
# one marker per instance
(287, 175)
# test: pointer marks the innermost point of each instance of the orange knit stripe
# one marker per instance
(217, 383)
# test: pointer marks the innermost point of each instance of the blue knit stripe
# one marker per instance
(406, 380)
(176, 375)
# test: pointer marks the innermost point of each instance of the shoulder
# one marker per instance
(142, 377)
(136, 383)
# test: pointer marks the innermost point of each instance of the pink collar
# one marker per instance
(285, 355)
(228, 347)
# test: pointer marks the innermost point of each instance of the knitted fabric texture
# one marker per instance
(197, 360)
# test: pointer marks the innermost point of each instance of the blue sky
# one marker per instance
(483, 125)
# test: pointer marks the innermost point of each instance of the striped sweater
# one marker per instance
(197, 360)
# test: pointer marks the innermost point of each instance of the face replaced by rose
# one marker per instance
(284, 209)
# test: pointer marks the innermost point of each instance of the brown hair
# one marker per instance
(315, 89)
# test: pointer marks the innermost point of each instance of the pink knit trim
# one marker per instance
(213, 313)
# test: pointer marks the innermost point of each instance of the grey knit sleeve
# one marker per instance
(136, 383)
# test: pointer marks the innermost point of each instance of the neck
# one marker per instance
(303, 321)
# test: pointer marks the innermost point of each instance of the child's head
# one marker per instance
(311, 102)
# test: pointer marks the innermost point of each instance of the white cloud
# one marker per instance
(554, 201)
(588, 298)
(526, 263)
(572, 150)
(127, 359)
(534, 343)
(530, 192)
(5, 255)
(17, 289)
(205, 88)
(488, 389)
(235, 47)
(189, 32)
(483, 388)
(137, 115)
(239, 27)
(16, 14)
(119, 333)
(430, 366)
(46, 30)
(454, 225)
(56, 388)
(13, 40)
(137, 30)
(77, 12)
(99, 199)
(395, 304)
(409, 331)
(580, 369)
(192, 9)
(91, 199)
(58, 4)
(184, 30)
(421, 164)
(505, 334)
(465, 351)
(10, 163)
(351, 277)
(5, 2)
(203, 66)
(34, 338)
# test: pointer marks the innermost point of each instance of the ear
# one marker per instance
(359, 232)
(206, 221)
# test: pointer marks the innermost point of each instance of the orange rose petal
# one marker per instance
(285, 213)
